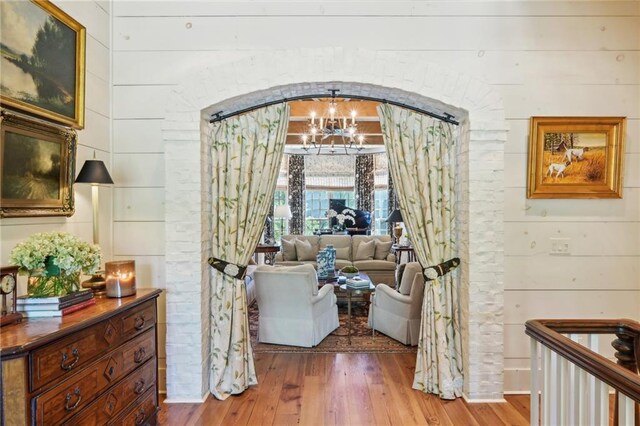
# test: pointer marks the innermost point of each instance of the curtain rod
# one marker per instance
(448, 118)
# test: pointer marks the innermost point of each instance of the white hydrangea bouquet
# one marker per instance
(54, 262)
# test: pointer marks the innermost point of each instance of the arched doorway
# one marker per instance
(288, 73)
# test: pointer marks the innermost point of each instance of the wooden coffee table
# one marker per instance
(358, 291)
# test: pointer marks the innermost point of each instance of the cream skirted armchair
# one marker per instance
(397, 313)
(292, 309)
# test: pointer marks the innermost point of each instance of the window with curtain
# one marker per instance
(317, 204)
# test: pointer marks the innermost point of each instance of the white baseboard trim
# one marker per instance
(517, 392)
(481, 400)
(186, 400)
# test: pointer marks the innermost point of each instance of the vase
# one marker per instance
(52, 281)
(332, 256)
(322, 262)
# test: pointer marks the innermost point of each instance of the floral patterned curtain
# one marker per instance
(422, 161)
(364, 182)
(296, 194)
(246, 154)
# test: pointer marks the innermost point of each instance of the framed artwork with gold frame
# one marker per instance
(575, 157)
(42, 57)
(37, 167)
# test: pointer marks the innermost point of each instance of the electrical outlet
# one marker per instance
(561, 246)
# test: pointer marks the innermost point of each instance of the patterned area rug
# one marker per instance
(361, 338)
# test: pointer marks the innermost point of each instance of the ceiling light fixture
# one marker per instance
(333, 131)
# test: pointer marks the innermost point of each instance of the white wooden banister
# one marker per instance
(576, 380)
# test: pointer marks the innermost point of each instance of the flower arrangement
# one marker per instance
(342, 217)
(54, 261)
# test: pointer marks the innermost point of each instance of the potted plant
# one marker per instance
(54, 261)
(349, 271)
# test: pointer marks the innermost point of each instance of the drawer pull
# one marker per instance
(68, 399)
(76, 357)
(139, 387)
(139, 355)
(139, 323)
(140, 417)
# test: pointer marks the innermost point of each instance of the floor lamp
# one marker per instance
(95, 173)
(396, 217)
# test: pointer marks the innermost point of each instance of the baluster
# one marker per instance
(626, 356)
(546, 385)
(626, 415)
(594, 386)
(583, 398)
(554, 397)
(534, 383)
(563, 397)
(574, 389)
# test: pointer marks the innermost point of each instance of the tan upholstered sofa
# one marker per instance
(378, 262)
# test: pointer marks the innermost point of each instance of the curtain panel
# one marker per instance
(422, 161)
(364, 182)
(296, 194)
(246, 152)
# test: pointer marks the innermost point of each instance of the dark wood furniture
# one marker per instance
(269, 252)
(398, 250)
(95, 366)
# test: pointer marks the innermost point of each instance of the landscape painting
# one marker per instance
(37, 167)
(42, 54)
(575, 157)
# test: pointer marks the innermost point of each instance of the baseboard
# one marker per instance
(517, 392)
(482, 400)
(186, 400)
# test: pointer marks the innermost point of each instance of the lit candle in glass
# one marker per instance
(121, 278)
(353, 117)
(313, 117)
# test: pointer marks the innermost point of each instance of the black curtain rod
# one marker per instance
(448, 118)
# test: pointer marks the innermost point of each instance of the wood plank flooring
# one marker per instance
(341, 389)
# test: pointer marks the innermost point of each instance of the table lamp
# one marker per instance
(396, 217)
(282, 212)
(95, 172)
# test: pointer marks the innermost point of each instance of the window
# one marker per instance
(381, 212)
(317, 204)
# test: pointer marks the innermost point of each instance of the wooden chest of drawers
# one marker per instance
(92, 367)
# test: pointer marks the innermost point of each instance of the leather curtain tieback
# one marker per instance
(433, 272)
(230, 269)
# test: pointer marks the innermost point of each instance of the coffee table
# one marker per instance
(350, 292)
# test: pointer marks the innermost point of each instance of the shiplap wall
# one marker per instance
(545, 58)
(96, 136)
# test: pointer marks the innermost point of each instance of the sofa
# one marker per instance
(374, 257)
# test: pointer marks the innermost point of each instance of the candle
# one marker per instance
(121, 278)
(313, 117)
(304, 140)
(353, 117)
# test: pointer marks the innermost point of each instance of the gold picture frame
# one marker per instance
(42, 57)
(37, 167)
(575, 157)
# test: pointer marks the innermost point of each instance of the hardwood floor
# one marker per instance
(341, 389)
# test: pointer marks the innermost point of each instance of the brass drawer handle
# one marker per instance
(139, 323)
(140, 417)
(68, 398)
(139, 387)
(139, 355)
(76, 357)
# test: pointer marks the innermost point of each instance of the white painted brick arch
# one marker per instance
(389, 75)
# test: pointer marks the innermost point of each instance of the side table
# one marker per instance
(269, 252)
(358, 291)
(398, 250)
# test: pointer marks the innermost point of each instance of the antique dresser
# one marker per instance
(91, 367)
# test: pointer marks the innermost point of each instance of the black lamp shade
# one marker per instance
(395, 216)
(94, 171)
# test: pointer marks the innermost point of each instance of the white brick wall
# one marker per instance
(401, 76)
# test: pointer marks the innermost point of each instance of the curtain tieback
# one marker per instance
(230, 269)
(433, 272)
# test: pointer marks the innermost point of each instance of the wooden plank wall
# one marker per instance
(545, 58)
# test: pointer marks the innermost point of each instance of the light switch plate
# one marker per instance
(561, 246)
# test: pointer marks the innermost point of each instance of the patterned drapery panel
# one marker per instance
(246, 151)
(422, 160)
(296, 194)
(364, 182)
(393, 201)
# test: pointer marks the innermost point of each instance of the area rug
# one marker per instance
(362, 340)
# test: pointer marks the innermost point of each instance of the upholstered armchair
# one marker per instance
(292, 309)
(397, 313)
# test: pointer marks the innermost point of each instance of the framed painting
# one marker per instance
(37, 167)
(42, 61)
(575, 157)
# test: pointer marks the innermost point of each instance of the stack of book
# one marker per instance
(357, 283)
(55, 306)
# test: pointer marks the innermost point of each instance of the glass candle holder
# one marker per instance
(121, 278)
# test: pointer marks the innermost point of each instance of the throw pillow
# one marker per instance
(382, 250)
(342, 253)
(366, 250)
(399, 273)
(305, 250)
(289, 250)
